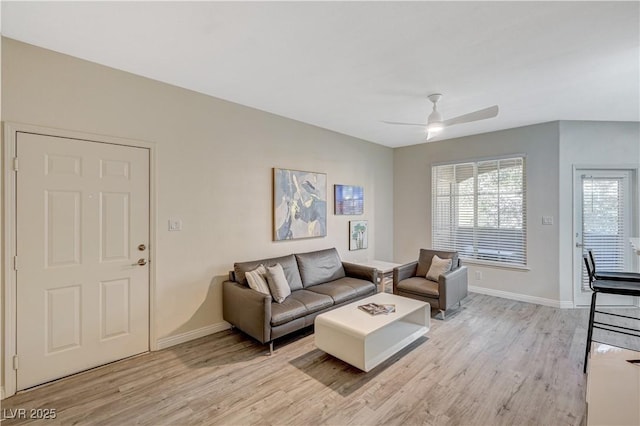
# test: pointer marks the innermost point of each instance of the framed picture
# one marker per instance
(299, 204)
(349, 199)
(358, 238)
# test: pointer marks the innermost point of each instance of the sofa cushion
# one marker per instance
(344, 289)
(361, 287)
(424, 261)
(299, 304)
(288, 263)
(319, 267)
(338, 292)
(419, 285)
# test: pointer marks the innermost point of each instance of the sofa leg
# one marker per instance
(442, 312)
(271, 348)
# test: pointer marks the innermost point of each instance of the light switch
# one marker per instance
(175, 225)
(547, 220)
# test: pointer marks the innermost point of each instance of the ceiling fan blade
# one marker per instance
(481, 114)
(404, 124)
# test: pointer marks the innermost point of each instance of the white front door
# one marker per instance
(82, 218)
(602, 224)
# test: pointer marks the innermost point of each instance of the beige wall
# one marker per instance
(214, 170)
(412, 197)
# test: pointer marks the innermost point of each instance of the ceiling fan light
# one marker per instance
(434, 127)
(434, 122)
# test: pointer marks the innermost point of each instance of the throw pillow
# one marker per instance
(257, 279)
(278, 283)
(438, 267)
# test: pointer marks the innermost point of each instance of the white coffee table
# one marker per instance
(365, 340)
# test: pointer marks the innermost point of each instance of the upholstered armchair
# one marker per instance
(450, 288)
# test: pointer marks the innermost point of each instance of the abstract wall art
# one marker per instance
(349, 199)
(299, 204)
(358, 238)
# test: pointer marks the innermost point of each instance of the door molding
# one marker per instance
(634, 183)
(10, 132)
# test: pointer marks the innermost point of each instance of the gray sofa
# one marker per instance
(319, 282)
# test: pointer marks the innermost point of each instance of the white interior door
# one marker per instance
(603, 223)
(82, 225)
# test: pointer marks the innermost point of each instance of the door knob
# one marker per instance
(579, 245)
(141, 262)
(142, 247)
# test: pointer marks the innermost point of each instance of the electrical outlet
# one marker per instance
(547, 220)
(478, 275)
(175, 225)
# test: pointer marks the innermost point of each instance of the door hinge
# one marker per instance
(15, 263)
(15, 164)
(15, 362)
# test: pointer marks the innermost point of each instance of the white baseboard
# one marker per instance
(562, 304)
(166, 342)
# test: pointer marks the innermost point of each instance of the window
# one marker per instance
(479, 210)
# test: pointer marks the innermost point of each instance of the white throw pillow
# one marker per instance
(278, 283)
(438, 267)
(257, 280)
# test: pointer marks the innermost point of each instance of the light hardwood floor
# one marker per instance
(492, 362)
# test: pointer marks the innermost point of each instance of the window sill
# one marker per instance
(498, 265)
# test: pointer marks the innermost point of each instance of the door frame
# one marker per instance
(10, 131)
(634, 188)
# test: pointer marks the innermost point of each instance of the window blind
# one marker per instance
(479, 210)
(603, 223)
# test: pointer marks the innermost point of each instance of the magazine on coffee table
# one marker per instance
(377, 308)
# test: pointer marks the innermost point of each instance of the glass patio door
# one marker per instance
(603, 207)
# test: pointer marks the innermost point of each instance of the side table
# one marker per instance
(385, 271)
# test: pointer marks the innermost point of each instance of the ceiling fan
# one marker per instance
(435, 124)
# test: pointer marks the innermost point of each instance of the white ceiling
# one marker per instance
(346, 66)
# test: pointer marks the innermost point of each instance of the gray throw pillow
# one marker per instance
(278, 283)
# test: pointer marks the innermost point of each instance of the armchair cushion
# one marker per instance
(424, 261)
(419, 285)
